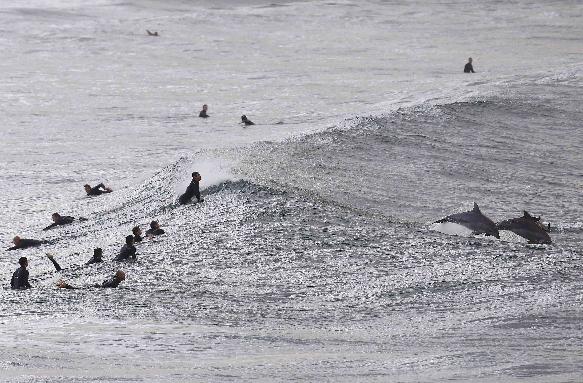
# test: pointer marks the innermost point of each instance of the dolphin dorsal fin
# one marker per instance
(526, 214)
(476, 208)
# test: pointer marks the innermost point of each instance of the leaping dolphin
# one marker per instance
(475, 221)
(527, 227)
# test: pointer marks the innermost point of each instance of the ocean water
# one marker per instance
(314, 257)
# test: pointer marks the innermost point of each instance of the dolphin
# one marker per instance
(528, 227)
(475, 221)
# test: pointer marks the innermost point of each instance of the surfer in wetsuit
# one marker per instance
(203, 113)
(246, 121)
(59, 220)
(97, 254)
(96, 190)
(23, 243)
(193, 190)
(469, 68)
(127, 251)
(111, 283)
(137, 232)
(154, 229)
(19, 280)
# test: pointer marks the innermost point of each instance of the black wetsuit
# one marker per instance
(94, 260)
(19, 279)
(96, 190)
(193, 190)
(154, 232)
(63, 220)
(126, 252)
(248, 122)
(203, 114)
(469, 68)
(112, 283)
(26, 243)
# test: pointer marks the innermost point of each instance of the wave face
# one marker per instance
(313, 257)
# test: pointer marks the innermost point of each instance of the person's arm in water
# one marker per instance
(52, 259)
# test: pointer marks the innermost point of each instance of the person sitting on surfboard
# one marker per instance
(202, 113)
(246, 121)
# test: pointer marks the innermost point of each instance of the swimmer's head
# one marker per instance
(87, 188)
(205, 107)
(243, 118)
(55, 217)
(196, 176)
(136, 230)
(470, 60)
(23, 261)
(120, 275)
(16, 240)
(154, 225)
(130, 240)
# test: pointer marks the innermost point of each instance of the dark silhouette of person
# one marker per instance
(193, 190)
(203, 113)
(246, 121)
(19, 280)
(469, 68)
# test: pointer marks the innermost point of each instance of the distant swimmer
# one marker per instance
(246, 121)
(193, 190)
(469, 68)
(23, 243)
(19, 279)
(97, 190)
(128, 251)
(137, 232)
(154, 229)
(59, 220)
(152, 33)
(110, 283)
(203, 113)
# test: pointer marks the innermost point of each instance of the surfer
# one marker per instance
(193, 190)
(59, 220)
(23, 243)
(19, 279)
(96, 190)
(111, 283)
(203, 113)
(154, 229)
(127, 251)
(246, 121)
(152, 33)
(97, 254)
(137, 232)
(469, 68)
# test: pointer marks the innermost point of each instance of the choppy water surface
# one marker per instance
(314, 257)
